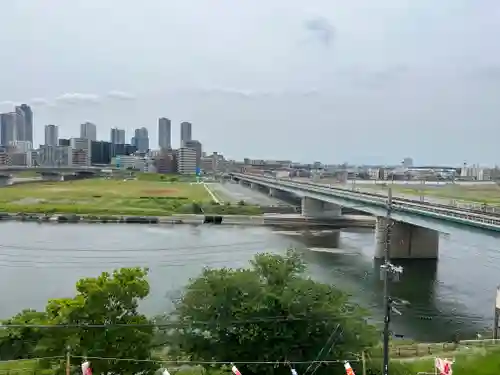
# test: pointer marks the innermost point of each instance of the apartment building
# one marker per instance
(186, 160)
(81, 151)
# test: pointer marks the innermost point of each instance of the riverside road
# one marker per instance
(455, 294)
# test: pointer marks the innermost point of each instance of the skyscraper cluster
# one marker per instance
(17, 126)
(188, 155)
(16, 137)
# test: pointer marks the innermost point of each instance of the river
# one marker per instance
(43, 261)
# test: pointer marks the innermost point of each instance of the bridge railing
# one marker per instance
(379, 200)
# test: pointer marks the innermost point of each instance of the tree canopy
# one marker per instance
(109, 299)
(268, 312)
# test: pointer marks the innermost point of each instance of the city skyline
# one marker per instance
(87, 129)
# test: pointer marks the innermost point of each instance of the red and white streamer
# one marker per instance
(348, 368)
(235, 370)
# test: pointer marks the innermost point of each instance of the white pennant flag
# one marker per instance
(294, 372)
(235, 370)
(86, 370)
(165, 372)
(348, 368)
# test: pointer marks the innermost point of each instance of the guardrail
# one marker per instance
(478, 208)
(379, 200)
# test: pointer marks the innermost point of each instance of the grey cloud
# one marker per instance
(251, 93)
(321, 28)
(39, 102)
(120, 95)
(489, 73)
(380, 78)
(73, 99)
(77, 98)
(7, 103)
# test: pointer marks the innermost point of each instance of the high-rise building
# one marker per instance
(27, 124)
(101, 152)
(20, 124)
(186, 132)
(7, 128)
(117, 136)
(51, 135)
(196, 146)
(164, 133)
(88, 131)
(141, 139)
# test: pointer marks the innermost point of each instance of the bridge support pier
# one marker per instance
(253, 186)
(273, 192)
(4, 180)
(407, 241)
(314, 208)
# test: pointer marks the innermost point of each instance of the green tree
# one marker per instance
(110, 299)
(17, 343)
(269, 312)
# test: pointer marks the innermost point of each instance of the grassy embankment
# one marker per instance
(149, 195)
(480, 193)
(471, 357)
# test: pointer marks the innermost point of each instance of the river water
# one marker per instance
(455, 294)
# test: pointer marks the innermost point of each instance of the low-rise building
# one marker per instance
(196, 146)
(82, 151)
(55, 156)
(21, 146)
(4, 158)
(165, 162)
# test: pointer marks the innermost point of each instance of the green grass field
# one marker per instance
(102, 196)
(480, 193)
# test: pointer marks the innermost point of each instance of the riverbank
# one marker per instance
(292, 221)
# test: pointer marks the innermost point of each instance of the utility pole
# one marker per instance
(68, 361)
(387, 270)
(496, 327)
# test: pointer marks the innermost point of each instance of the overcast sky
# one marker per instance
(362, 81)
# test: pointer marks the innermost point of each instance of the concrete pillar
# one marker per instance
(240, 182)
(315, 208)
(331, 209)
(4, 180)
(407, 241)
(311, 207)
(253, 186)
(273, 192)
(334, 239)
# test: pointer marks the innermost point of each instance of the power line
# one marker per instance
(136, 250)
(96, 263)
(328, 345)
(214, 322)
(256, 362)
(282, 319)
(31, 359)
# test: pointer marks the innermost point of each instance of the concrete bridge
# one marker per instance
(415, 225)
(7, 179)
(6, 169)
